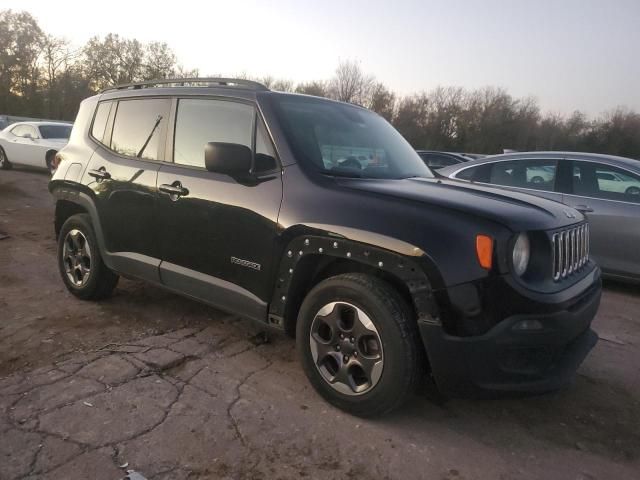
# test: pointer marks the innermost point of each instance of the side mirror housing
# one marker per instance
(230, 159)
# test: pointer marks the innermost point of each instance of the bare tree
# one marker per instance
(350, 84)
(381, 100)
(317, 88)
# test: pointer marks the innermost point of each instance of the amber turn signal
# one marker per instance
(484, 250)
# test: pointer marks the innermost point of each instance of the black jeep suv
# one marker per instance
(317, 218)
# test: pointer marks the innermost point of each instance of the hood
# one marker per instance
(516, 211)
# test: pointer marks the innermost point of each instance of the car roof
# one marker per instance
(602, 158)
(217, 90)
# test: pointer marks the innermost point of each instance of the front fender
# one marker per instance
(409, 267)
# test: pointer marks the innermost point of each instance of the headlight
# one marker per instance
(521, 253)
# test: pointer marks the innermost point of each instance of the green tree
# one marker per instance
(21, 42)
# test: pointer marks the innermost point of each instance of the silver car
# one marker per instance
(605, 188)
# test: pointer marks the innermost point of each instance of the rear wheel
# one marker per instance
(81, 266)
(49, 160)
(4, 161)
(358, 344)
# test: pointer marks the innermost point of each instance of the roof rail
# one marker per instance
(191, 82)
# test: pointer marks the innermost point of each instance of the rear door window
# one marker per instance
(139, 128)
(538, 174)
(597, 180)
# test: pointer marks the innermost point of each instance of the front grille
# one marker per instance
(570, 251)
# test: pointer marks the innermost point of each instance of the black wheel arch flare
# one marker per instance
(408, 270)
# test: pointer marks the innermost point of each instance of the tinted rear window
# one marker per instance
(139, 128)
(55, 131)
(100, 120)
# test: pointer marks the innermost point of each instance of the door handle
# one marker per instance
(175, 190)
(100, 174)
(583, 208)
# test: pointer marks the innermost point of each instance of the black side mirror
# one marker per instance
(230, 159)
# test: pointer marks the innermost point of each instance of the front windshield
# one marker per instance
(345, 140)
(55, 131)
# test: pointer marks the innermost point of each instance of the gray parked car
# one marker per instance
(604, 187)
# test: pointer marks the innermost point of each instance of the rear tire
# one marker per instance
(4, 161)
(83, 272)
(336, 351)
(49, 161)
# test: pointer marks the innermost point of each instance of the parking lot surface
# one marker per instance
(171, 389)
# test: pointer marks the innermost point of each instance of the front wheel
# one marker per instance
(83, 271)
(358, 344)
(632, 191)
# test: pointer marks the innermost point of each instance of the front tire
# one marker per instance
(83, 272)
(358, 343)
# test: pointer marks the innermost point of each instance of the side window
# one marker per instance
(535, 174)
(19, 130)
(467, 174)
(265, 158)
(139, 128)
(435, 160)
(100, 121)
(598, 180)
(25, 131)
(199, 122)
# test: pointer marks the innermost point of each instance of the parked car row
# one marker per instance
(317, 218)
(33, 144)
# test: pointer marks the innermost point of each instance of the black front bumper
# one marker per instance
(506, 358)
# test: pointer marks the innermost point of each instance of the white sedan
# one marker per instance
(34, 144)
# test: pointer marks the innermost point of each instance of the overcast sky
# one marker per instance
(569, 54)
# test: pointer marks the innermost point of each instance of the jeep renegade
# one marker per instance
(317, 218)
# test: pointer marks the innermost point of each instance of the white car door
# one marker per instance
(23, 146)
(33, 148)
(11, 144)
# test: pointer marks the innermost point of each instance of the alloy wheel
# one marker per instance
(76, 254)
(346, 348)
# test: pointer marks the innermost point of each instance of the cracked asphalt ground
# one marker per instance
(177, 390)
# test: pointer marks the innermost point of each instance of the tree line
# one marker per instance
(46, 77)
